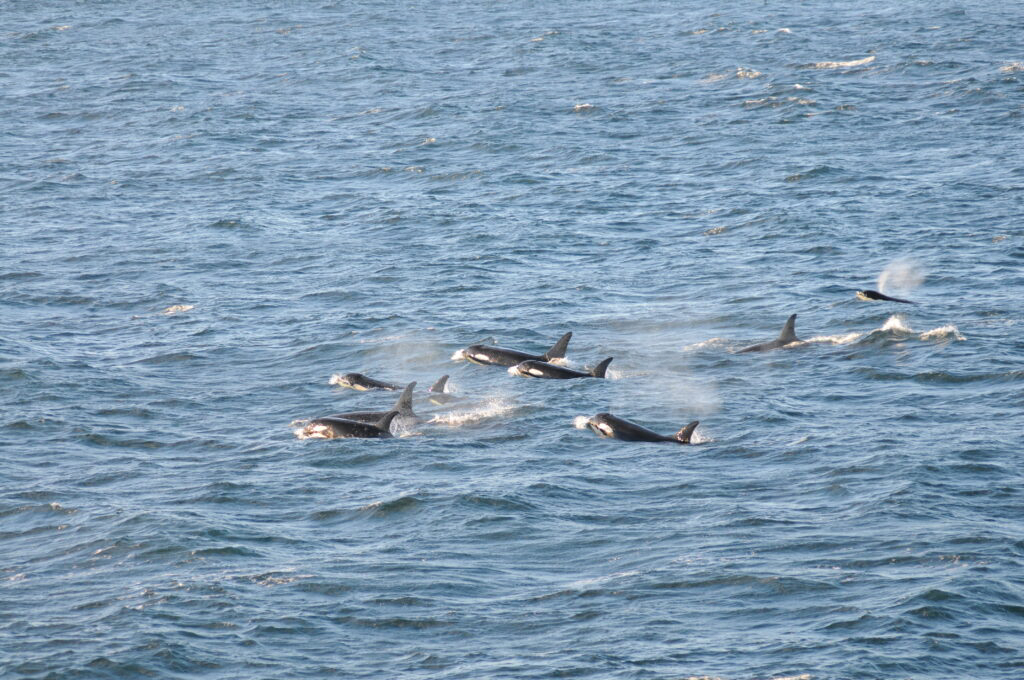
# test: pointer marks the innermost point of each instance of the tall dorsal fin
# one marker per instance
(385, 422)
(788, 333)
(439, 385)
(404, 403)
(683, 436)
(557, 350)
(601, 368)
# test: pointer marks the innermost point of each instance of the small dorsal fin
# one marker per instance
(404, 403)
(439, 385)
(601, 368)
(683, 436)
(385, 422)
(557, 350)
(788, 333)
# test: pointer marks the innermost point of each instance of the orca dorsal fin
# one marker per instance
(404, 403)
(601, 368)
(557, 350)
(385, 422)
(788, 333)
(683, 436)
(439, 385)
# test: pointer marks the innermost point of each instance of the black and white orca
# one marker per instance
(358, 381)
(437, 395)
(873, 295)
(607, 425)
(542, 369)
(403, 406)
(486, 355)
(342, 428)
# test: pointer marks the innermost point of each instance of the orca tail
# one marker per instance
(684, 435)
(385, 422)
(601, 368)
(439, 385)
(557, 350)
(788, 333)
(404, 403)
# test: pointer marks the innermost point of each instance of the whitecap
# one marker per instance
(840, 339)
(942, 332)
(843, 64)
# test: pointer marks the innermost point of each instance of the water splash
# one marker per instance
(903, 274)
(712, 343)
(492, 408)
(839, 339)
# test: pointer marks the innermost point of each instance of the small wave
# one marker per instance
(459, 355)
(713, 343)
(948, 331)
(178, 309)
(843, 64)
(273, 578)
(580, 422)
(391, 507)
(1014, 67)
(490, 409)
(841, 339)
(896, 325)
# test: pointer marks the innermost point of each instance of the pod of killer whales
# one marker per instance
(377, 424)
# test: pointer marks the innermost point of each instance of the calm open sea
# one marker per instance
(207, 210)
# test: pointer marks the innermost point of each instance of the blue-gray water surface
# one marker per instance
(210, 209)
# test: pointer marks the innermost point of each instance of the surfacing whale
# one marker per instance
(438, 396)
(486, 355)
(358, 381)
(403, 406)
(787, 336)
(871, 295)
(342, 428)
(607, 425)
(542, 369)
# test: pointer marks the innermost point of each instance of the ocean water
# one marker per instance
(210, 209)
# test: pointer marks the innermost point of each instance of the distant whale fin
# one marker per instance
(601, 368)
(439, 385)
(385, 422)
(683, 436)
(557, 350)
(788, 333)
(404, 403)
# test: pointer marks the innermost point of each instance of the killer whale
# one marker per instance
(358, 381)
(487, 355)
(403, 406)
(613, 427)
(871, 295)
(542, 369)
(342, 428)
(438, 396)
(787, 336)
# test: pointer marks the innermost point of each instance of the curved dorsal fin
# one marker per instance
(404, 403)
(601, 368)
(557, 350)
(788, 333)
(683, 436)
(439, 385)
(385, 422)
